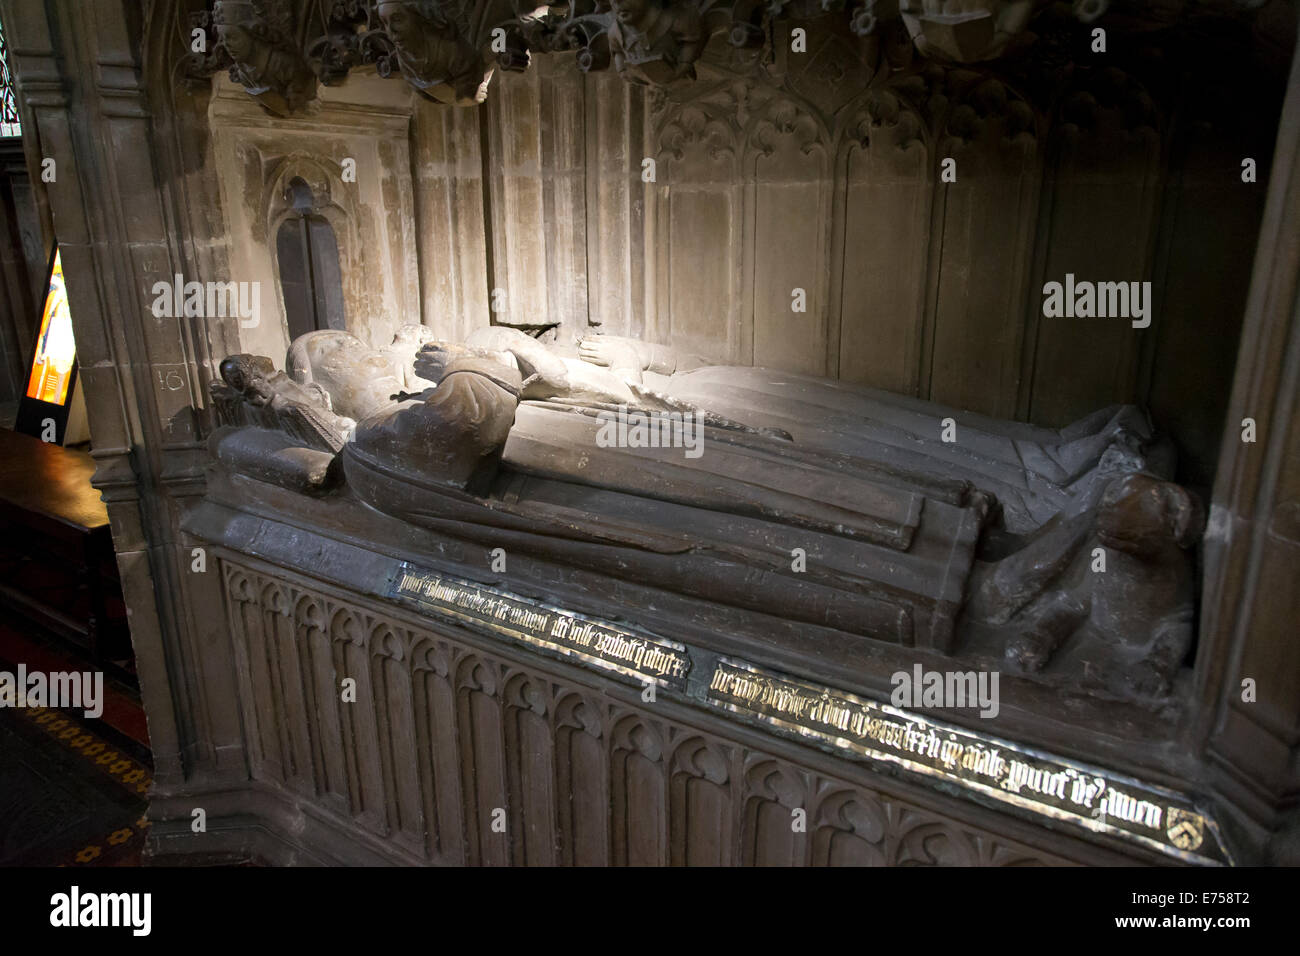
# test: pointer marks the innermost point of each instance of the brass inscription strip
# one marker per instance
(602, 645)
(1039, 783)
(1049, 786)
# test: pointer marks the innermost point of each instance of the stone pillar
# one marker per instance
(1251, 599)
(95, 74)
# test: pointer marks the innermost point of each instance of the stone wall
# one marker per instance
(822, 172)
(799, 216)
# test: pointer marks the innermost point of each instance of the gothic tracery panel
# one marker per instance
(439, 737)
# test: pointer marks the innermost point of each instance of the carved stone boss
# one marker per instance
(988, 767)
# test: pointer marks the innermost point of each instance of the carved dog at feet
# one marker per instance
(1106, 596)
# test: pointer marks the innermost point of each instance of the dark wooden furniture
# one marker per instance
(56, 549)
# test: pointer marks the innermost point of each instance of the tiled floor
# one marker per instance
(72, 790)
(67, 797)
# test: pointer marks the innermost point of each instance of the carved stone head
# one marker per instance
(242, 32)
(266, 62)
(1147, 517)
(247, 375)
(656, 42)
(434, 48)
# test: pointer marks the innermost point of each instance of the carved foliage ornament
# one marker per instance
(448, 49)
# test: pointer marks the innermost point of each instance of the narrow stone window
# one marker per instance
(310, 278)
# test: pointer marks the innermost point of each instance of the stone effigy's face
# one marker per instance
(345, 352)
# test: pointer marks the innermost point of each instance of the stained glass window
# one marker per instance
(9, 125)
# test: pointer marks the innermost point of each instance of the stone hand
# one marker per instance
(596, 350)
(610, 351)
(433, 358)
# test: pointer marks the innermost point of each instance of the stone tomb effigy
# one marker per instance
(764, 548)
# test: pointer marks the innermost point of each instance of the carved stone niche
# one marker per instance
(265, 59)
(259, 157)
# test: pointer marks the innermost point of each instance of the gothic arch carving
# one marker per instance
(473, 673)
(638, 798)
(786, 119)
(633, 734)
(853, 817)
(701, 804)
(581, 778)
(239, 585)
(275, 598)
(524, 691)
(774, 796)
(577, 711)
(925, 841)
(346, 627)
(981, 104)
(386, 641)
(700, 130)
(430, 655)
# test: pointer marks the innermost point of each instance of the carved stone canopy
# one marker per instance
(447, 49)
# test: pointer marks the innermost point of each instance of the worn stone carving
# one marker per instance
(258, 37)
(351, 38)
(586, 779)
(276, 429)
(656, 42)
(967, 32)
(1106, 596)
(357, 380)
(447, 49)
(502, 441)
(254, 392)
(436, 45)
